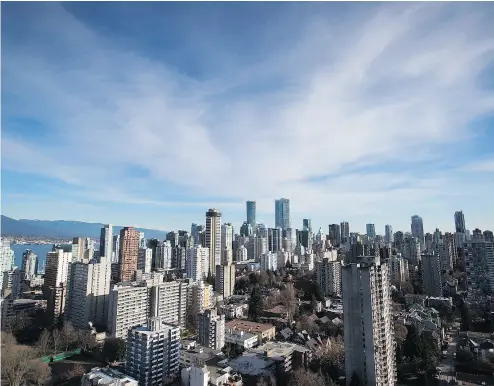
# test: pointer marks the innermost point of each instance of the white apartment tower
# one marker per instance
(213, 238)
(153, 352)
(369, 334)
(328, 277)
(6, 258)
(168, 301)
(225, 279)
(226, 237)
(269, 261)
(432, 282)
(211, 329)
(197, 264)
(242, 254)
(164, 252)
(388, 234)
(88, 293)
(128, 307)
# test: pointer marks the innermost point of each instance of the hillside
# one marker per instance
(62, 228)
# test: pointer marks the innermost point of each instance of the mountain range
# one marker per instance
(63, 229)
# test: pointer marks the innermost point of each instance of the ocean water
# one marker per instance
(40, 250)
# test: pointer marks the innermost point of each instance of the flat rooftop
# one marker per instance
(248, 326)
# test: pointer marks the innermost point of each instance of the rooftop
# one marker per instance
(246, 325)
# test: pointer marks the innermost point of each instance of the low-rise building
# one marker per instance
(108, 377)
(191, 354)
(242, 339)
(264, 331)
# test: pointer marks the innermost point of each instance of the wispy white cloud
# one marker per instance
(399, 85)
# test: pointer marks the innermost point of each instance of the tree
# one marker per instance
(255, 304)
(332, 357)
(406, 288)
(39, 373)
(76, 371)
(401, 333)
(44, 343)
(8, 340)
(56, 339)
(289, 300)
(191, 315)
(264, 277)
(14, 360)
(68, 335)
(302, 377)
(308, 325)
(114, 349)
(86, 340)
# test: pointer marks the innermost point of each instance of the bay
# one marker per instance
(40, 249)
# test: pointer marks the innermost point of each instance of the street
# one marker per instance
(447, 365)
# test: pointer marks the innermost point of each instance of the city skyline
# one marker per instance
(208, 107)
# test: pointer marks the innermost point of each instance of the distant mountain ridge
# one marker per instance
(63, 228)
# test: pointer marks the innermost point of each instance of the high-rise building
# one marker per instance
(197, 265)
(398, 270)
(88, 294)
(328, 277)
(201, 293)
(6, 258)
(144, 260)
(179, 256)
(241, 254)
(479, 264)
(129, 254)
(251, 213)
(29, 264)
(142, 240)
(116, 249)
(78, 248)
(282, 213)
(411, 249)
(226, 237)
(12, 283)
(460, 222)
(211, 329)
(269, 261)
(369, 334)
(128, 307)
(55, 282)
(274, 239)
(307, 225)
(164, 254)
(153, 352)
(417, 228)
(213, 238)
(345, 232)
(388, 234)
(106, 243)
(488, 236)
(225, 279)
(259, 247)
(432, 282)
(168, 301)
(334, 234)
(370, 231)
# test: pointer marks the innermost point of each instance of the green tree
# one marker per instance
(114, 349)
(255, 304)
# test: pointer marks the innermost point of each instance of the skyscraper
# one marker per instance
(371, 231)
(307, 225)
(106, 243)
(460, 222)
(328, 277)
(282, 213)
(479, 262)
(6, 258)
(388, 234)
(274, 239)
(226, 236)
(431, 274)
(213, 238)
(251, 213)
(129, 254)
(197, 263)
(334, 234)
(345, 232)
(55, 282)
(417, 228)
(29, 264)
(368, 335)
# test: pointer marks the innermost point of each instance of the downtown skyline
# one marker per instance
(361, 113)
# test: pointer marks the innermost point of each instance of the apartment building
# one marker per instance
(168, 301)
(153, 352)
(368, 335)
(328, 277)
(211, 329)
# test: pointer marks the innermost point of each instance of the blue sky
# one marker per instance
(148, 114)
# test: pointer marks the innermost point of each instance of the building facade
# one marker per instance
(368, 335)
(282, 213)
(328, 277)
(211, 329)
(129, 254)
(213, 239)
